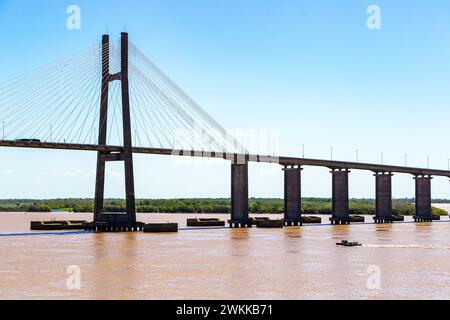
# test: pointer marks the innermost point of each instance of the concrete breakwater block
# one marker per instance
(436, 217)
(57, 225)
(390, 219)
(255, 221)
(160, 227)
(270, 224)
(205, 223)
(311, 220)
(356, 219)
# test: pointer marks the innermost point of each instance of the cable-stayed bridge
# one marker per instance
(111, 99)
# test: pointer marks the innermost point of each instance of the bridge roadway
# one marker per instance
(284, 161)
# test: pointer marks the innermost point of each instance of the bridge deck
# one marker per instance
(285, 161)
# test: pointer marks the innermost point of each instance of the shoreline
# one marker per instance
(193, 214)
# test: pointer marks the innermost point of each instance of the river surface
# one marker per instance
(399, 261)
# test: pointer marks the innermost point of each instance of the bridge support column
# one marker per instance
(127, 140)
(292, 196)
(109, 221)
(239, 196)
(101, 163)
(383, 201)
(423, 199)
(340, 209)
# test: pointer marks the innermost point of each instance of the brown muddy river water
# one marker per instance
(400, 261)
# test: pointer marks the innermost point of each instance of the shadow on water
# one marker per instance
(239, 234)
(293, 232)
(339, 231)
(293, 242)
(388, 227)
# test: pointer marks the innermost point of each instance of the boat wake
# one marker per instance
(408, 246)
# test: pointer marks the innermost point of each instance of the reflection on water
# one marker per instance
(294, 263)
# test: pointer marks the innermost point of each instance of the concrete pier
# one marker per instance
(383, 201)
(292, 196)
(340, 210)
(239, 196)
(423, 199)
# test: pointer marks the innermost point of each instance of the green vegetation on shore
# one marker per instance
(310, 206)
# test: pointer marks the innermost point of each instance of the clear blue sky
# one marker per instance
(310, 69)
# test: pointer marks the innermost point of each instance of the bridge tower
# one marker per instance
(127, 220)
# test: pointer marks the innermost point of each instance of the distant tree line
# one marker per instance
(310, 206)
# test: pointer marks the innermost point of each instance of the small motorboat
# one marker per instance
(345, 243)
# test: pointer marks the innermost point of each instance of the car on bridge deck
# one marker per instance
(28, 140)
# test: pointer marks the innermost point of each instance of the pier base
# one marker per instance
(341, 221)
(236, 224)
(113, 227)
(423, 219)
(293, 222)
(114, 222)
(382, 220)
